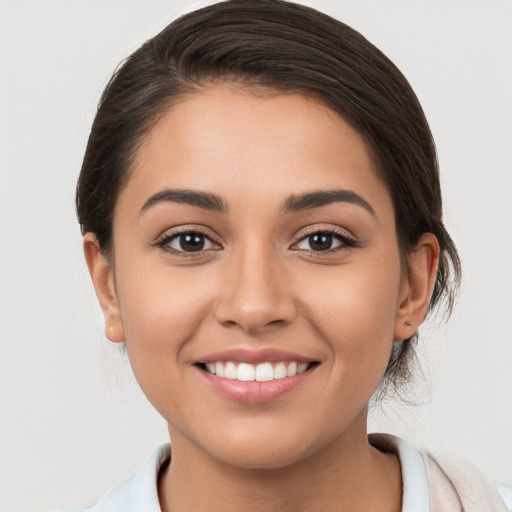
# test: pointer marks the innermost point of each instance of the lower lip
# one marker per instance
(255, 391)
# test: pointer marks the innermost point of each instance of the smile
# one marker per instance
(255, 376)
(263, 372)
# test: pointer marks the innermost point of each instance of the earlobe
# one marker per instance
(417, 286)
(102, 276)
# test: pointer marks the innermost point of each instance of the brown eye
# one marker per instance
(189, 242)
(321, 241)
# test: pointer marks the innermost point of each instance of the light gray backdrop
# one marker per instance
(73, 422)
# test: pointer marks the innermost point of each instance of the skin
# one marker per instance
(260, 285)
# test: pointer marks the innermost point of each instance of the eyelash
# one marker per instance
(341, 236)
(164, 242)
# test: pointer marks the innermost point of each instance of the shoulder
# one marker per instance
(452, 478)
(505, 493)
(438, 483)
(430, 483)
(138, 491)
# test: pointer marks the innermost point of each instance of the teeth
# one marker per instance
(219, 369)
(280, 371)
(291, 370)
(262, 372)
(245, 372)
(230, 371)
(302, 368)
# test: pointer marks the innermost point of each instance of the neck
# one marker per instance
(346, 475)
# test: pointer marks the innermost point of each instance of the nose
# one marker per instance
(256, 294)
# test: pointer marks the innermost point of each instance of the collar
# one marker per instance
(139, 490)
(414, 475)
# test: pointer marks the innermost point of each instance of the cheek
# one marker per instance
(354, 311)
(161, 309)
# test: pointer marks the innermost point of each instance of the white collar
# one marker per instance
(414, 474)
(139, 490)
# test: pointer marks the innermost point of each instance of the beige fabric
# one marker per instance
(457, 486)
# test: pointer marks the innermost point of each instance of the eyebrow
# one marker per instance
(293, 203)
(319, 198)
(205, 200)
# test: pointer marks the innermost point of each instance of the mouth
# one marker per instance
(263, 372)
(255, 377)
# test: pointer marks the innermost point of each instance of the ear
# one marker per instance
(417, 286)
(102, 275)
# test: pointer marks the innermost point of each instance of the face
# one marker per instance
(256, 277)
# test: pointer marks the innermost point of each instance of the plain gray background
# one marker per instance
(73, 422)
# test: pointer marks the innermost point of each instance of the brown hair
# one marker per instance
(274, 45)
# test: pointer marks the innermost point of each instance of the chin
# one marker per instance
(263, 456)
(265, 447)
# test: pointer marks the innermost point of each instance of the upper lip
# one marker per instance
(241, 355)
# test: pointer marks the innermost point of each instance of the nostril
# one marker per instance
(255, 302)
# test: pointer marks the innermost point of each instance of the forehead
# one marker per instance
(234, 143)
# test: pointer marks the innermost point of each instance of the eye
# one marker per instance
(189, 242)
(323, 241)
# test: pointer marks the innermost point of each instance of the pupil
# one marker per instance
(192, 242)
(320, 242)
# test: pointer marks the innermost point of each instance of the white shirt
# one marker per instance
(138, 492)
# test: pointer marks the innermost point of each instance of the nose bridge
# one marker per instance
(255, 294)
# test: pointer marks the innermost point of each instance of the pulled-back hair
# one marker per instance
(275, 46)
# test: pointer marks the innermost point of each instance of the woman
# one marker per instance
(262, 222)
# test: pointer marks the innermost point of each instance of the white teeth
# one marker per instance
(245, 372)
(262, 372)
(302, 368)
(280, 371)
(230, 371)
(219, 369)
(291, 370)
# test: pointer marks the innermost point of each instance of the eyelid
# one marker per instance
(344, 236)
(347, 240)
(170, 234)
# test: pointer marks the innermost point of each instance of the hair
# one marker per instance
(275, 46)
